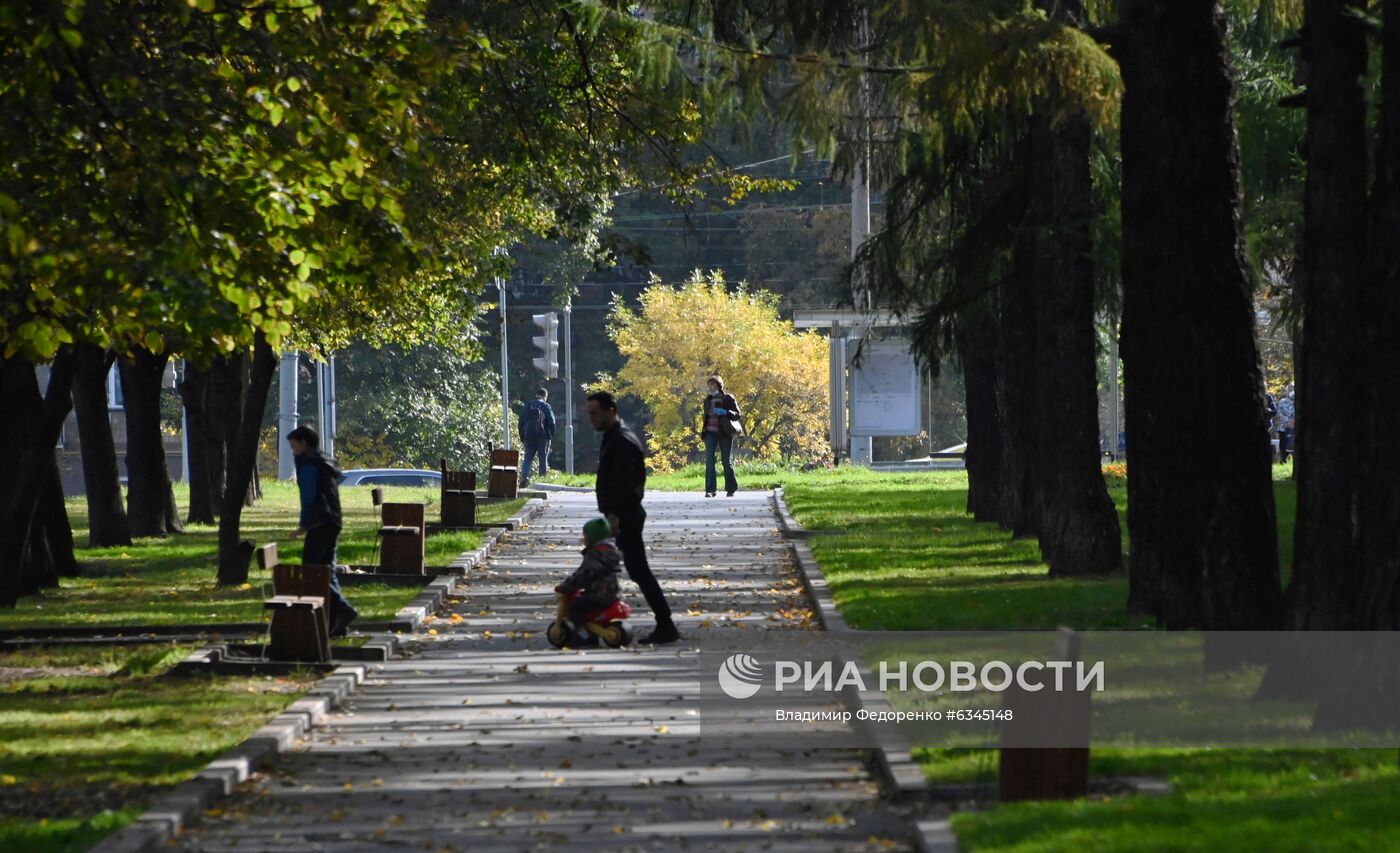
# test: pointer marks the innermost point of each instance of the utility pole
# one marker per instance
(325, 404)
(287, 413)
(505, 370)
(184, 431)
(568, 387)
(1113, 426)
(837, 392)
(862, 447)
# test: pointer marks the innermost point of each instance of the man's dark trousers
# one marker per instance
(319, 550)
(533, 449)
(634, 558)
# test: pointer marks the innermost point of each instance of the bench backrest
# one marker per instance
(459, 480)
(298, 579)
(505, 458)
(404, 515)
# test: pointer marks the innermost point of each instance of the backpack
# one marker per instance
(533, 428)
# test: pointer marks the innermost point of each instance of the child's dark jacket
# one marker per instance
(597, 575)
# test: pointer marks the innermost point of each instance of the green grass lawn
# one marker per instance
(171, 581)
(901, 554)
(87, 735)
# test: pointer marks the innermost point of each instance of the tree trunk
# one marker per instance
(1330, 379)
(254, 482)
(150, 498)
(234, 388)
(1379, 500)
(194, 394)
(28, 432)
(107, 524)
(1016, 394)
(242, 452)
(977, 332)
(1365, 690)
(1077, 520)
(225, 401)
(52, 513)
(1200, 498)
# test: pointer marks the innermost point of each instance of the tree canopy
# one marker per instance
(684, 333)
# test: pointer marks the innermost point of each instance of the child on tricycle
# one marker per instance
(589, 607)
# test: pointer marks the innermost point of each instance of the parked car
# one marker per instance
(390, 477)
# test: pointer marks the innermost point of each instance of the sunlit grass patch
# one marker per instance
(87, 734)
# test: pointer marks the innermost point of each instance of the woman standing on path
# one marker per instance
(719, 418)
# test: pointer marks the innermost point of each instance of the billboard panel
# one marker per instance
(885, 398)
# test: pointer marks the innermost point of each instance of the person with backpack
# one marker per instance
(536, 432)
(318, 484)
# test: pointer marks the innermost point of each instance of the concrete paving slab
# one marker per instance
(486, 738)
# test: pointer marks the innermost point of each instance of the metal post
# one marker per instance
(860, 227)
(328, 440)
(505, 370)
(568, 388)
(286, 414)
(837, 344)
(928, 387)
(862, 446)
(184, 433)
(1113, 426)
(321, 398)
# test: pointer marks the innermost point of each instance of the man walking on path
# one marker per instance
(536, 432)
(318, 481)
(621, 484)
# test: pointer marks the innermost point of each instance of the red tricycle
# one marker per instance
(605, 623)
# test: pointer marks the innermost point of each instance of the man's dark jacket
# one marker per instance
(546, 418)
(622, 473)
(318, 479)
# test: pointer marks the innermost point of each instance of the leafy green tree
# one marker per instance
(413, 407)
(682, 334)
(223, 180)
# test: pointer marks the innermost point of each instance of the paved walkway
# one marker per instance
(486, 738)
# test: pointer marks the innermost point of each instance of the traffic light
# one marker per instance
(547, 344)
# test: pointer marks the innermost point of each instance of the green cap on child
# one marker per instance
(596, 530)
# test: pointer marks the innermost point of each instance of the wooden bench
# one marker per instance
(401, 538)
(300, 629)
(504, 477)
(458, 497)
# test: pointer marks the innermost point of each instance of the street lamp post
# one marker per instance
(568, 388)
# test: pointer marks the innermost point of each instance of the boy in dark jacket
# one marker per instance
(318, 481)
(597, 576)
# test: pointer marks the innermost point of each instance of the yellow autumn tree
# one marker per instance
(682, 334)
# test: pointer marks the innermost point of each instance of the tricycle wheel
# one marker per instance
(560, 634)
(615, 635)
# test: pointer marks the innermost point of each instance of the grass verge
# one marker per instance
(901, 554)
(171, 581)
(87, 736)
